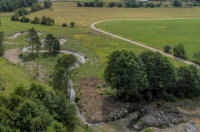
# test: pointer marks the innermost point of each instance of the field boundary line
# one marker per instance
(142, 45)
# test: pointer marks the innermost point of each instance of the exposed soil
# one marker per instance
(99, 108)
(12, 55)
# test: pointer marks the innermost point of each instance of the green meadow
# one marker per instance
(82, 39)
(158, 33)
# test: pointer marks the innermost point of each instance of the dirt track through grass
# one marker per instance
(142, 45)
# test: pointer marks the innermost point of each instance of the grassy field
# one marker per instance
(67, 12)
(13, 76)
(82, 39)
(158, 33)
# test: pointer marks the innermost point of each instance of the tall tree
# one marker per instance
(160, 73)
(126, 73)
(52, 44)
(47, 4)
(34, 40)
(61, 76)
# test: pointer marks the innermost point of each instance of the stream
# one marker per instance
(82, 59)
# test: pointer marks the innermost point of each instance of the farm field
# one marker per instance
(82, 16)
(158, 33)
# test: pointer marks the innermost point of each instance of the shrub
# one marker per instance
(15, 17)
(167, 48)
(177, 3)
(119, 4)
(36, 20)
(47, 4)
(79, 4)
(47, 21)
(188, 82)
(112, 4)
(179, 51)
(196, 55)
(72, 24)
(24, 19)
(64, 25)
(22, 11)
(35, 7)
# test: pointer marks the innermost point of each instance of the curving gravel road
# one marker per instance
(141, 45)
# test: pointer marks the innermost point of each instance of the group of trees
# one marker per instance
(72, 24)
(37, 6)
(20, 14)
(129, 3)
(52, 44)
(36, 20)
(43, 21)
(47, 21)
(96, 3)
(178, 50)
(11, 5)
(134, 4)
(150, 76)
(35, 109)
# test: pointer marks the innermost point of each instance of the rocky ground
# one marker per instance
(180, 116)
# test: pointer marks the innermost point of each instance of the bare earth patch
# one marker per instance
(99, 108)
(12, 55)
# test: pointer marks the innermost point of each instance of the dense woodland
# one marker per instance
(11, 5)
(136, 4)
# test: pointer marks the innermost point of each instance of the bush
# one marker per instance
(24, 19)
(22, 11)
(47, 4)
(36, 20)
(167, 48)
(15, 17)
(64, 25)
(119, 4)
(35, 7)
(196, 55)
(179, 51)
(79, 4)
(72, 24)
(47, 21)
(177, 3)
(188, 82)
(111, 4)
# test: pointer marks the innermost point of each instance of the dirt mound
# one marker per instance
(99, 108)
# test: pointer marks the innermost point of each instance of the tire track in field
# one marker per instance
(142, 45)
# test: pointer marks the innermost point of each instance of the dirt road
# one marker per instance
(141, 45)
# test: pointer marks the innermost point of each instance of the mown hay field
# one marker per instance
(84, 16)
